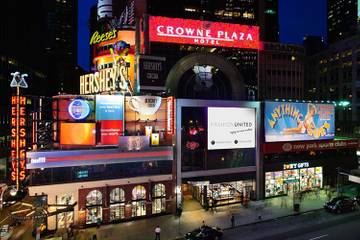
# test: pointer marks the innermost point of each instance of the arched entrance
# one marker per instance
(205, 76)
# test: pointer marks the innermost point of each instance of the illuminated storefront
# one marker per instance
(118, 165)
(286, 172)
(295, 177)
(217, 194)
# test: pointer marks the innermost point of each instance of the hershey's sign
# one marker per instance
(110, 79)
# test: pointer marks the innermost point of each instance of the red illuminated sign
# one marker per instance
(170, 115)
(18, 138)
(110, 131)
(186, 31)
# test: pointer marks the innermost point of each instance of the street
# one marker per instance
(348, 230)
(311, 226)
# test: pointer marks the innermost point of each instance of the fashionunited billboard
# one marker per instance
(231, 128)
(206, 33)
(286, 121)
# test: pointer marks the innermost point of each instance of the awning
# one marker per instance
(283, 147)
(68, 158)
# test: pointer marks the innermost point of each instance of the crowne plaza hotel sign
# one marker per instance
(110, 79)
(196, 32)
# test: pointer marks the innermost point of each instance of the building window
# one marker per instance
(138, 201)
(94, 207)
(117, 204)
(159, 198)
(65, 219)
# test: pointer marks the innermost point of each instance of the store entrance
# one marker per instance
(292, 186)
(190, 202)
(217, 194)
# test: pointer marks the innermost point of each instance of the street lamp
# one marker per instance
(18, 81)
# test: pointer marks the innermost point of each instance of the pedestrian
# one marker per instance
(157, 232)
(232, 221)
(98, 222)
(203, 224)
(329, 195)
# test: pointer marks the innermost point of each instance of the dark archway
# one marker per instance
(232, 85)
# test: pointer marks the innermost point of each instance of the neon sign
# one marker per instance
(296, 165)
(216, 34)
(110, 79)
(79, 109)
(18, 138)
(170, 115)
(97, 38)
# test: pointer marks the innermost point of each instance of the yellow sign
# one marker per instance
(110, 79)
(97, 38)
(155, 139)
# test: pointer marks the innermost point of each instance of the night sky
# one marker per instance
(297, 18)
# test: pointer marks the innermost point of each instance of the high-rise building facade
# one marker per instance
(333, 74)
(342, 18)
(281, 71)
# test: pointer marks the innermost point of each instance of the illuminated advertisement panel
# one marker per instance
(77, 134)
(110, 130)
(285, 121)
(358, 10)
(170, 115)
(231, 128)
(18, 139)
(73, 108)
(79, 109)
(109, 107)
(186, 31)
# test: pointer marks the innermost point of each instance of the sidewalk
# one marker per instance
(174, 227)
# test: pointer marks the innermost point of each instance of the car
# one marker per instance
(341, 204)
(205, 233)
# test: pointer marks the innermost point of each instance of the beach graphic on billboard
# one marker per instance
(286, 121)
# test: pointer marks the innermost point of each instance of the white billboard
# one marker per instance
(231, 128)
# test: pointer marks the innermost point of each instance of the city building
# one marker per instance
(342, 19)
(313, 44)
(10, 65)
(281, 71)
(52, 26)
(300, 148)
(333, 75)
(110, 156)
(269, 20)
(165, 117)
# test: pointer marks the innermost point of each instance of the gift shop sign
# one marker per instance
(18, 138)
(217, 34)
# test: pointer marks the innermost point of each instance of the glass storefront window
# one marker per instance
(274, 183)
(117, 211)
(93, 207)
(139, 201)
(290, 181)
(65, 219)
(223, 193)
(138, 208)
(159, 190)
(159, 198)
(117, 204)
(93, 214)
(138, 192)
(117, 195)
(94, 198)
